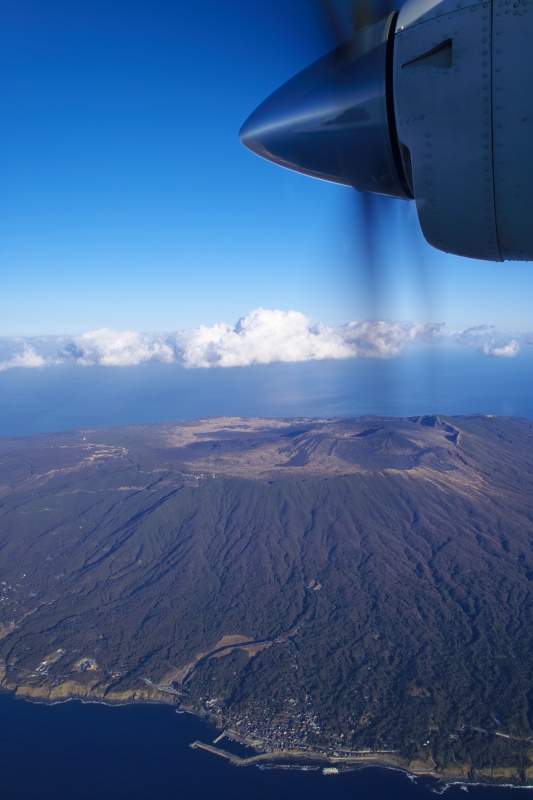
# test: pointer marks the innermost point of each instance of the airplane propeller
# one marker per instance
(430, 103)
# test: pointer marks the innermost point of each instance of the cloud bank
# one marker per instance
(263, 336)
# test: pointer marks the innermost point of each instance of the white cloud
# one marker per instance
(509, 350)
(488, 341)
(111, 348)
(386, 339)
(262, 336)
(27, 358)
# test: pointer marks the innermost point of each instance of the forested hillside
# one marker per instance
(366, 583)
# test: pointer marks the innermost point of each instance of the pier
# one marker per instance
(218, 751)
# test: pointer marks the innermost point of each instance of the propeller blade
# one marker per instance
(345, 18)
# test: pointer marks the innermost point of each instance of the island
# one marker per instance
(330, 591)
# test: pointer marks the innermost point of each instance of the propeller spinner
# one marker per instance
(331, 121)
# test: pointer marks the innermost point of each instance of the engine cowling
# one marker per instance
(432, 104)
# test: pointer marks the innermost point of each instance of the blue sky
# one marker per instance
(127, 201)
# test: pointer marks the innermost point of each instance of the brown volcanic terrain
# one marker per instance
(337, 585)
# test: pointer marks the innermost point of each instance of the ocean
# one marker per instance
(445, 381)
(76, 751)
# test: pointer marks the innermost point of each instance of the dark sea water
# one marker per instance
(78, 751)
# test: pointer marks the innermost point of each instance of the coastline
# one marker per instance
(99, 692)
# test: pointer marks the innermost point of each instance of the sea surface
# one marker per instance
(77, 750)
(446, 381)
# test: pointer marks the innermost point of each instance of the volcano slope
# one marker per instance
(322, 586)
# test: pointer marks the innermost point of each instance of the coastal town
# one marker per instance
(293, 736)
(291, 733)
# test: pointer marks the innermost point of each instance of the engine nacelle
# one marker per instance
(433, 104)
